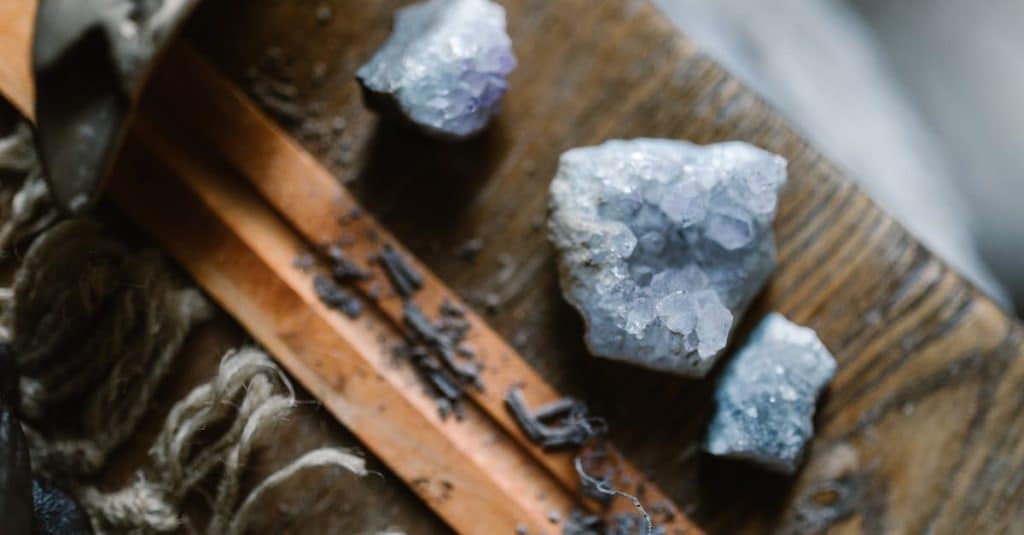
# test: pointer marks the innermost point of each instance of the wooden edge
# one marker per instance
(282, 159)
(16, 17)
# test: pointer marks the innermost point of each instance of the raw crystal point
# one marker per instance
(766, 396)
(443, 67)
(663, 244)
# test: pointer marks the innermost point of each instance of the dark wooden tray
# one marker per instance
(920, 430)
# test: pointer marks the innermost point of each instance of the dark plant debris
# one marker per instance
(342, 267)
(447, 388)
(439, 356)
(405, 279)
(489, 301)
(442, 342)
(435, 349)
(336, 297)
(581, 523)
(622, 523)
(275, 81)
(573, 427)
(355, 213)
(565, 423)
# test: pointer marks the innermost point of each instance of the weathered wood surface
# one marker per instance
(190, 104)
(242, 254)
(920, 429)
(197, 130)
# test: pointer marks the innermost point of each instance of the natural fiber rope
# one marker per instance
(96, 328)
(31, 210)
(248, 398)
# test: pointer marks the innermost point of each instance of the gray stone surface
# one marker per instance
(766, 396)
(443, 67)
(663, 244)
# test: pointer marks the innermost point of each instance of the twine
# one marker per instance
(249, 398)
(95, 328)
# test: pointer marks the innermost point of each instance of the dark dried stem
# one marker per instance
(603, 488)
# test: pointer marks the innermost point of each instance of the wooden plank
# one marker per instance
(492, 472)
(468, 471)
(16, 18)
(509, 492)
(919, 431)
(190, 98)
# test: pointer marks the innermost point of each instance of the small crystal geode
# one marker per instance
(443, 68)
(766, 396)
(663, 244)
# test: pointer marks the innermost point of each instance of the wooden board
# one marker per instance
(920, 428)
(190, 104)
(15, 69)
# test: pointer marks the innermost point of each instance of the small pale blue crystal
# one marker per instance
(443, 67)
(765, 399)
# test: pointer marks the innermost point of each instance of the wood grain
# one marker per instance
(242, 255)
(482, 478)
(209, 109)
(919, 430)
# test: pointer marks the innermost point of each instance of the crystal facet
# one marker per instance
(663, 244)
(766, 396)
(443, 67)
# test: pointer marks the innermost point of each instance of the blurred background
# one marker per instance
(919, 101)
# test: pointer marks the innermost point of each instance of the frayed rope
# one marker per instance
(95, 329)
(248, 398)
(31, 210)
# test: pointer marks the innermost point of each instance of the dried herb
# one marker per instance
(427, 333)
(342, 267)
(437, 378)
(405, 279)
(336, 297)
(581, 523)
(573, 429)
(624, 522)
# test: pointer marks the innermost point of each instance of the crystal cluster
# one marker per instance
(766, 396)
(443, 67)
(663, 244)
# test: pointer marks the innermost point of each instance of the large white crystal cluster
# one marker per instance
(663, 244)
(766, 396)
(443, 67)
